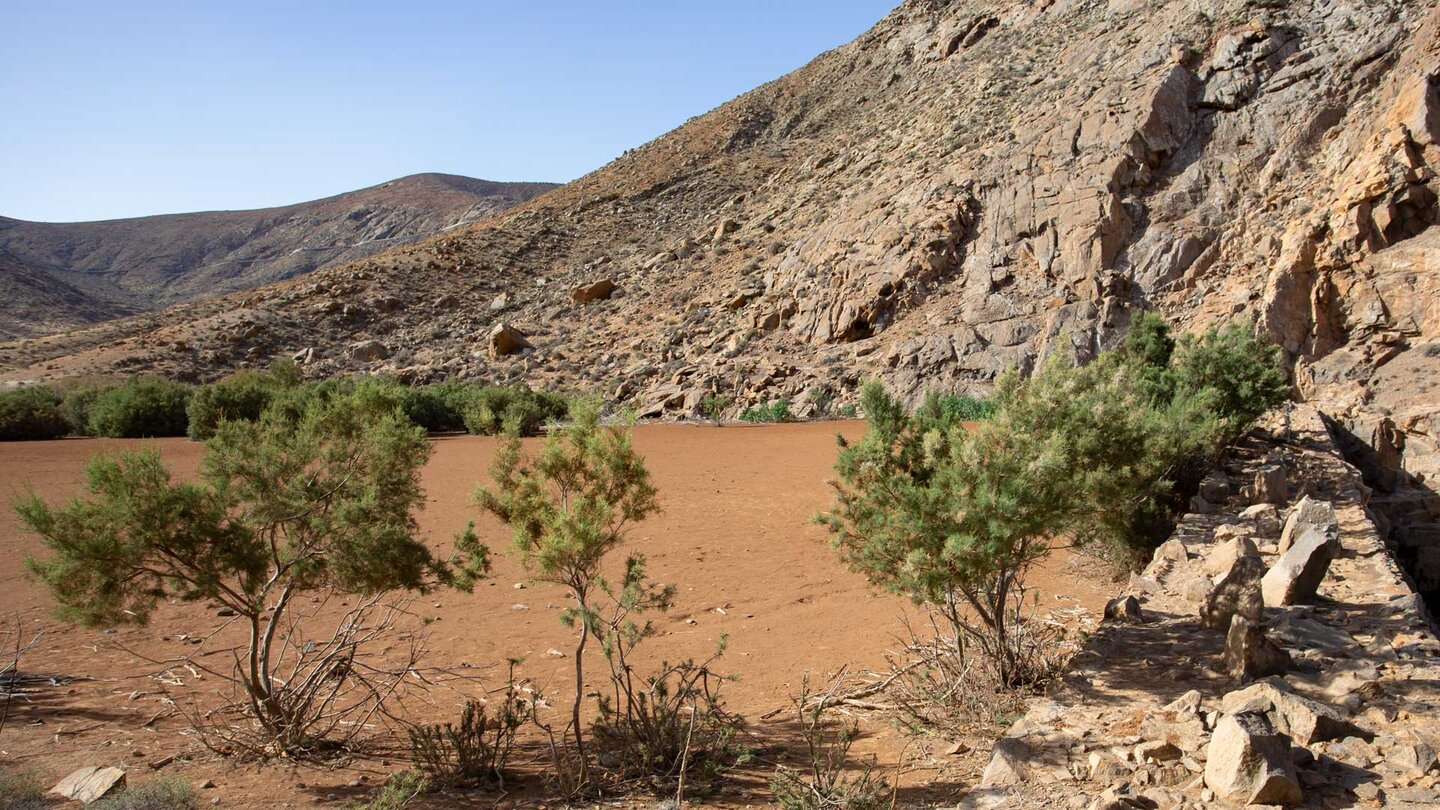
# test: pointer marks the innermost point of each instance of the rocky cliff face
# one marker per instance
(967, 186)
(64, 275)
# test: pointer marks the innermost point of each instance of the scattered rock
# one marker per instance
(367, 351)
(1296, 576)
(1250, 654)
(1215, 488)
(1305, 721)
(1269, 486)
(1248, 762)
(1123, 610)
(1238, 593)
(505, 340)
(1224, 555)
(89, 784)
(1308, 512)
(1266, 518)
(594, 291)
(1007, 763)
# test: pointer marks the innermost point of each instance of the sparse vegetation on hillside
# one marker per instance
(777, 411)
(315, 498)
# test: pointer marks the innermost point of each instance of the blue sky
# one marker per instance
(115, 109)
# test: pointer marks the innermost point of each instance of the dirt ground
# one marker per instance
(735, 536)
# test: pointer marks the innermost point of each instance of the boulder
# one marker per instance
(505, 339)
(1007, 763)
(1223, 556)
(89, 784)
(1305, 721)
(1248, 762)
(500, 302)
(1308, 512)
(1296, 576)
(1238, 593)
(367, 351)
(1414, 753)
(1124, 610)
(1250, 654)
(1269, 486)
(1266, 518)
(594, 291)
(1215, 488)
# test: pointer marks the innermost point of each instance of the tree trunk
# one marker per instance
(580, 694)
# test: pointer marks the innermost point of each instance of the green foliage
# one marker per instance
(1242, 370)
(714, 405)
(158, 794)
(439, 408)
(568, 508)
(31, 412)
(822, 397)
(75, 405)
(397, 792)
(21, 790)
(142, 407)
(511, 411)
(321, 495)
(777, 411)
(243, 396)
(965, 408)
(954, 518)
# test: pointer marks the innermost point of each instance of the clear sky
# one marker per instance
(120, 108)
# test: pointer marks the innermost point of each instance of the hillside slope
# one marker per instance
(126, 265)
(967, 186)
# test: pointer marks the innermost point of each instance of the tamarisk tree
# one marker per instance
(318, 495)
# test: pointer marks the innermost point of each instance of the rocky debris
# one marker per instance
(1296, 576)
(1237, 593)
(505, 339)
(368, 351)
(1248, 762)
(1227, 552)
(1007, 763)
(1124, 609)
(89, 784)
(1250, 654)
(1269, 486)
(1307, 513)
(500, 302)
(1266, 519)
(598, 290)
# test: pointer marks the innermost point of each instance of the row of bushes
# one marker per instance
(148, 407)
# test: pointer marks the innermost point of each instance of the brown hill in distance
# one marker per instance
(122, 266)
(967, 186)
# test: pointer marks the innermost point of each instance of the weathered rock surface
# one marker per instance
(506, 340)
(1296, 576)
(1237, 593)
(89, 784)
(1307, 513)
(598, 290)
(1250, 653)
(1249, 762)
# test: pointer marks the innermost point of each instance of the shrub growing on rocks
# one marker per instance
(31, 412)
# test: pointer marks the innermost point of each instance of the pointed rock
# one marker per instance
(1248, 762)
(1249, 654)
(1124, 610)
(1296, 576)
(1308, 512)
(1305, 721)
(505, 339)
(1237, 593)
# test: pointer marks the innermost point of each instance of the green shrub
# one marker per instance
(777, 411)
(1242, 370)
(439, 408)
(159, 794)
(512, 411)
(31, 412)
(75, 407)
(243, 395)
(141, 408)
(713, 405)
(965, 408)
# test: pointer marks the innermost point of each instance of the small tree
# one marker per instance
(568, 508)
(322, 500)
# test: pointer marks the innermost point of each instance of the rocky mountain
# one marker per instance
(968, 185)
(63, 275)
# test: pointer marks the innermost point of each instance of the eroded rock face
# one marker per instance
(1248, 762)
